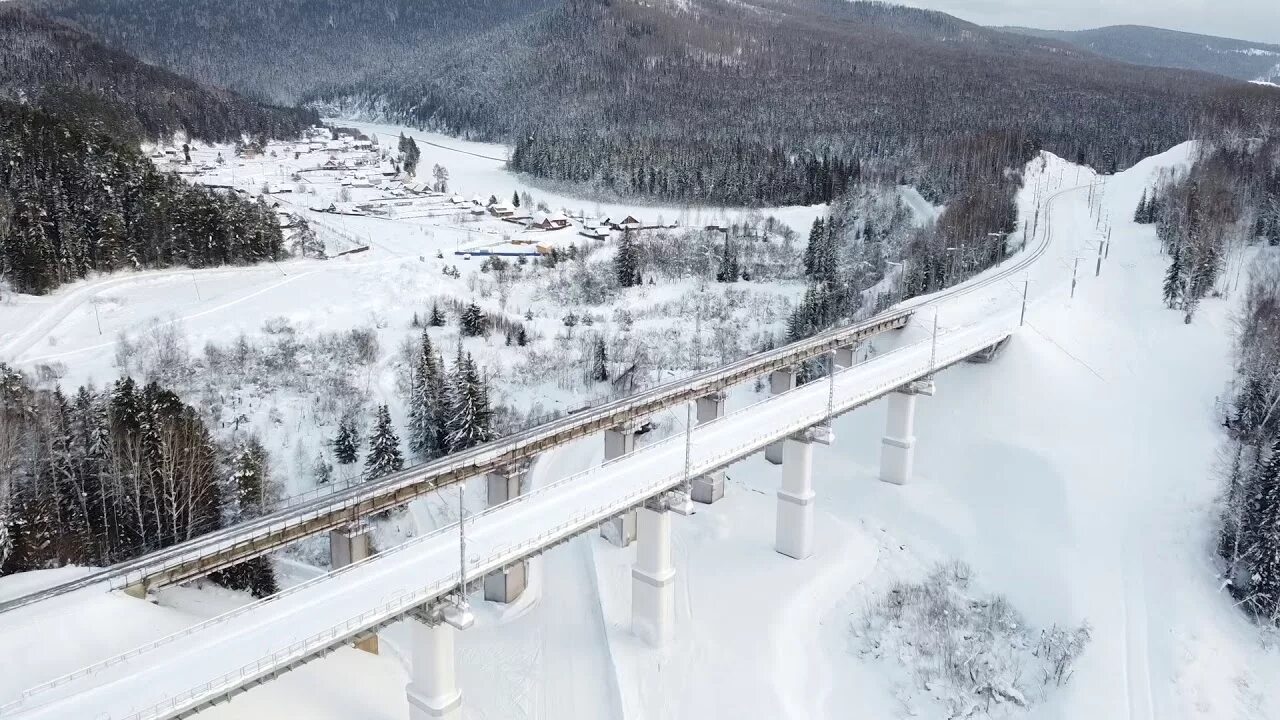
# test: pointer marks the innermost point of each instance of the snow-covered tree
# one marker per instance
(470, 417)
(599, 361)
(626, 264)
(428, 404)
(473, 322)
(346, 446)
(384, 455)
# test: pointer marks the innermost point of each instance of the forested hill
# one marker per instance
(742, 101)
(47, 64)
(280, 50)
(1142, 45)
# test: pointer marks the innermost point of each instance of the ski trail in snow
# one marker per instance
(1136, 628)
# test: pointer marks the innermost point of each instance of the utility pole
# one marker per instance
(1075, 268)
(196, 285)
(687, 486)
(96, 317)
(1098, 271)
(462, 549)
(1026, 283)
(933, 351)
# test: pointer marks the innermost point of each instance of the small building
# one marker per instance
(595, 233)
(477, 201)
(457, 199)
(502, 210)
(549, 222)
(629, 222)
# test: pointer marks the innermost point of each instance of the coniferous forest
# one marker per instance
(74, 200)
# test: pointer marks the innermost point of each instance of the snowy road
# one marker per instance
(219, 656)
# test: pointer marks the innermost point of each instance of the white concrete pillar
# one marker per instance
(508, 584)
(897, 452)
(433, 684)
(794, 533)
(780, 381)
(348, 545)
(844, 356)
(709, 488)
(619, 441)
(653, 578)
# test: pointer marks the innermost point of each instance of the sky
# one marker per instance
(1255, 20)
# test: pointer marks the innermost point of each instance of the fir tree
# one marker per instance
(470, 417)
(1174, 282)
(384, 456)
(626, 263)
(599, 361)
(426, 403)
(515, 198)
(1140, 214)
(437, 317)
(346, 446)
(473, 322)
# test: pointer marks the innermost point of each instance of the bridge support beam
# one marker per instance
(709, 488)
(349, 545)
(508, 584)
(794, 532)
(897, 450)
(653, 578)
(619, 441)
(780, 381)
(433, 683)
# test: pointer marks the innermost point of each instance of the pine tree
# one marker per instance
(473, 322)
(626, 263)
(1174, 282)
(522, 337)
(346, 446)
(384, 456)
(470, 417)
(426, 403)
(515, 198)
(1140, 214)
(437, 317)
(599, 362)
(1262, 535)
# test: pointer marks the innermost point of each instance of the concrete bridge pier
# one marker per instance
(709, 488)
(794, 532)
(653, 578)
(508, 584)
(844, 356)
(619, 441)
(348, 545)
(897, 450)
(433, 683)
(780, 381)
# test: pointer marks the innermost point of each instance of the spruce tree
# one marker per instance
(384, 455)
(1140, 214)
(515, 198)
(437, 317)
(470, 417)
(346, 446)
(1174, 282)
(426, 405)
(599, 361)
(472, 322)
(626, 263)
(1261, 534)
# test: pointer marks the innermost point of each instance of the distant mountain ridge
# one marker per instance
(711, 101)
(1142, 45)
(50, 65)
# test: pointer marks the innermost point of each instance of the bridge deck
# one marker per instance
(216, 658)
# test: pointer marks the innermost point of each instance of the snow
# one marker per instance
(1071, 473)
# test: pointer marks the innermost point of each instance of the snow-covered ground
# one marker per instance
(1072, 475)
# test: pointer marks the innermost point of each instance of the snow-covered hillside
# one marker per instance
(1072, 474)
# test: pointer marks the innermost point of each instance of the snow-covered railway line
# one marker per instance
(312, 514)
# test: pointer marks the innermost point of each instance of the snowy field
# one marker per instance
(1071, 474)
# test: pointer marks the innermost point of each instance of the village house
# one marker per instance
(502, 210)
(554, 221)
